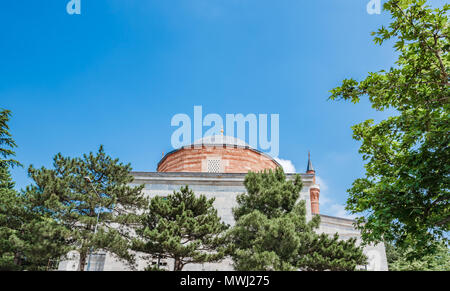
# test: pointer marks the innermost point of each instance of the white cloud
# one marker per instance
(324, 199)
(287, 165)
(322, 184)
(332, 208)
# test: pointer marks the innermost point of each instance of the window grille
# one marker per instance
(214, 165)
(159, 261)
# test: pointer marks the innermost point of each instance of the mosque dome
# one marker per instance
(221, 140)
(217, 154)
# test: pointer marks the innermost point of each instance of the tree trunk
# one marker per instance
(175, 264)
(83, 256)
(17, 259)
(178, 266)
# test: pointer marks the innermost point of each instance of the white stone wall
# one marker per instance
(224, 188)
(376, 254)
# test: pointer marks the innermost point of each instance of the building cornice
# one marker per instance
(185, 178)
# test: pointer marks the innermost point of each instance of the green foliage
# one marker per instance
(27, 241)
(66, 196)
(404, 196)
(153, 268)
(269, 193)
(11, 217)
(37, 243)
(183, 227)
(400, 259)
(260, 243)
(330, 253)
(7, 145)
(272, 232)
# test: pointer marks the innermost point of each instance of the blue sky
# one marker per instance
(116, 74)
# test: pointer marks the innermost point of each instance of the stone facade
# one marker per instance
(376, 254)
(224, 187)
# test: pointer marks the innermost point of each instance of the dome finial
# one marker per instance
(309, 167)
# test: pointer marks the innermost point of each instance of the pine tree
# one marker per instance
(7, 145)
(272, 232)
(11, 213)
(27, 240)
(330, 253)
(80, 191)
(10, 206)
(182, 227)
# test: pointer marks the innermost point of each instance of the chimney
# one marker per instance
(314, 191)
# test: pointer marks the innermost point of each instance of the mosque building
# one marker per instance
(216, 167)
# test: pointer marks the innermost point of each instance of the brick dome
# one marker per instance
(217, 154)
